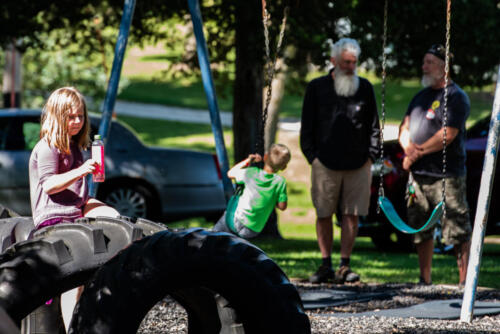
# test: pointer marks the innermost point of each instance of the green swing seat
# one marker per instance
(398, 223)
(231, 206)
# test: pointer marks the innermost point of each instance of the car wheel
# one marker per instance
(393, 241)
(132, 201)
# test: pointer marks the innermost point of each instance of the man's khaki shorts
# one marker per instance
(456, 226)
(351, 187)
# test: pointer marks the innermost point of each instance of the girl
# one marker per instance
(58, 185)
(57, 172)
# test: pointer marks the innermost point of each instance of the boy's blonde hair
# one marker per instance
(278, 157)
(55, 119)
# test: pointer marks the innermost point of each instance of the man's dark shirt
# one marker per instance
(426, 118)
(342, 132)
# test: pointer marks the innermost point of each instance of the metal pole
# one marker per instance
(208, 84)
(114, 79)
(483, 204)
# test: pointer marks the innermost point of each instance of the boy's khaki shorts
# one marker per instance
(351, 187)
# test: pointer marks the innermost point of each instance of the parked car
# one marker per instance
(141, 181)
(382, 233)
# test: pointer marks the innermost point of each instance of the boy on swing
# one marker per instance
(263, 190)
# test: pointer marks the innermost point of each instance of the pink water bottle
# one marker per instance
(98, 154)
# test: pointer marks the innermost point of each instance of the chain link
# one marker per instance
(445, 106)
(270, 68)
(384, 74)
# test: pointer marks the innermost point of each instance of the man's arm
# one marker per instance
(307, 125)
(414, 151)
(243, 164)
(374, 150)
(410, 149)
(435, 143)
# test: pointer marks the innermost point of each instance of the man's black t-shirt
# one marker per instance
(426, 112)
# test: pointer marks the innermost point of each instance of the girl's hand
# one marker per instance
(88, 167)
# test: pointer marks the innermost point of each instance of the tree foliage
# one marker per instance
(234, 36)
(413, 26)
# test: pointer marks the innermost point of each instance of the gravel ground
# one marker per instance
(168, 317)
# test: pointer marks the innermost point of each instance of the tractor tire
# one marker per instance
(260, 297)
(13, 230)
(57, 259)
(7, 326)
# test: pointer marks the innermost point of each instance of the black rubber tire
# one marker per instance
(149, 227)
(118, 232)
(45, 319)
(131, 283)
(46, 267)
(7, 326)
(13, 230)
(57, 259)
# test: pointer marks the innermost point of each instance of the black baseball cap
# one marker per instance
(439, 51)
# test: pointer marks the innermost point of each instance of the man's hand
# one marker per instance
(407, 163)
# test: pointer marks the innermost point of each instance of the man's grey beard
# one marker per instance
(345, 85)
(429, 80)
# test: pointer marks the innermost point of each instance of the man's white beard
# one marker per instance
(428, 80)
(345, 84)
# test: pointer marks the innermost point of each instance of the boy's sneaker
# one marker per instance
(324, 274)
(345, 274)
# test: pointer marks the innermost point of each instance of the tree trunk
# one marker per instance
(11, 85)
(247, 105)
(278, 90)
(248, 84)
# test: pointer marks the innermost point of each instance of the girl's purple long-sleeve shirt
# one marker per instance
(67, 204)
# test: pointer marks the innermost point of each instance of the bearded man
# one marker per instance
(421, 137)
(339, 137)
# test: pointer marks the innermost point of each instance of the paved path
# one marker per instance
(157, 111)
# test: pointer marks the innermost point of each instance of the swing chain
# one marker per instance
(445, 106)
(270, 67)
(384, 74)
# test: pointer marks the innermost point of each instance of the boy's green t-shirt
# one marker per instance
(262, 192)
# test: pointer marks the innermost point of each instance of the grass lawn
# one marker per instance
(190, 94)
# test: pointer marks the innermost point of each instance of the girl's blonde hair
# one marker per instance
(55, 119)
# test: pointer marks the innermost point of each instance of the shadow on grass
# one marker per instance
(299, 258)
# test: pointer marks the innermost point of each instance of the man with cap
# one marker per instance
(421, 137)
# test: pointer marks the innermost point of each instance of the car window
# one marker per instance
(31, 132)
(19, 133)
(14, 138)
(479, 129)
(3, 132)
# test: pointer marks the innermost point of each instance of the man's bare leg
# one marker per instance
(324, 232)
(348, 235)
(425, 251)
(462, 252)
